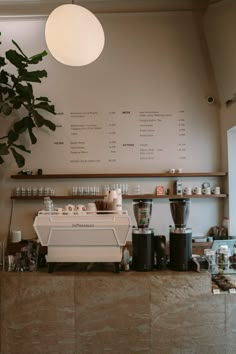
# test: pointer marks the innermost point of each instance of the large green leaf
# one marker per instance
(4, 149)
(33, 138)
(45, 106)
(19, 48)
(6, 109)
(35, 59)
(14, 79)
(34, 76)
(4, 90)
(1, 160)
(17, 101)
(2, 61)
(38, 118)
(23, 124)
(16, 59)
(4, 77)
(25, 91)
(12, 136)
(20, 160)
(21, 147)
(40, 121)
(42, 98)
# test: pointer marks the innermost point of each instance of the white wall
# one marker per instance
(150, 62)
(231, 138)
(220, 33)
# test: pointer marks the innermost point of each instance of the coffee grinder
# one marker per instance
(180, 235)
(142, 236)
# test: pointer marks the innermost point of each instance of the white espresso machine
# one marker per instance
(82, 236)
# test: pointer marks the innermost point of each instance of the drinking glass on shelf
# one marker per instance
(28, 191)
(86, 190)
(35, 191)
(124, 188)
(18, 191)
(80, 190)
(92, 190)
(74, 190)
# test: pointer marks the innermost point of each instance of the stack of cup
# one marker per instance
(118, 204)
(48, 203)
(115, 199)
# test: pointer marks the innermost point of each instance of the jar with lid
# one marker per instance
(223, 258)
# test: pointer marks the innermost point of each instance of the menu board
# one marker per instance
(129, 138)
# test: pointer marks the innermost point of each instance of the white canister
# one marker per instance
(16, 236)
(91, 207)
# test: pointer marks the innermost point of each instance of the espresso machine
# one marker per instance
(142, 236)
(180, 235)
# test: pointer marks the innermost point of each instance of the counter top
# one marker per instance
(102, 312)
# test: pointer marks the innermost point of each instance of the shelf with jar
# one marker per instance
(120, 175)
(131, 196)
(89, 193)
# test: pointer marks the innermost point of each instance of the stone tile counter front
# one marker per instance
(101, 312)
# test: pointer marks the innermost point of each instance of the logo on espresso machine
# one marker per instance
(82, 225)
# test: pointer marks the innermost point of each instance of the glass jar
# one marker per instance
(223, 258)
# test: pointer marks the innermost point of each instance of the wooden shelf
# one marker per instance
(135, 196)
(121, 175)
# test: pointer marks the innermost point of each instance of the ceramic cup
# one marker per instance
(206, 190)
(188, 190)
(81, 207)
(70, 208)
(59, 210)
(216, 190)
(197, 190)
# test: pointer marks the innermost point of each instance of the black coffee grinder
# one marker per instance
(180, 235)
(142, 236)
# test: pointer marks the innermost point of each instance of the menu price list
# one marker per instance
(124, 138)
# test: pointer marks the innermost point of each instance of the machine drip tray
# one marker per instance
(83, 267)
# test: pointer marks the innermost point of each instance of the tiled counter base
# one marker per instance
(95, 313)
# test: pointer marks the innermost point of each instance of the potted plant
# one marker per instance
(16, 93)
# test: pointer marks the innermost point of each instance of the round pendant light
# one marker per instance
(74, 36)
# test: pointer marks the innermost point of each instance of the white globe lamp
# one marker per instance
(74, 35)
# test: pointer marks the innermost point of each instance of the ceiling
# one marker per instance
(44, 7)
